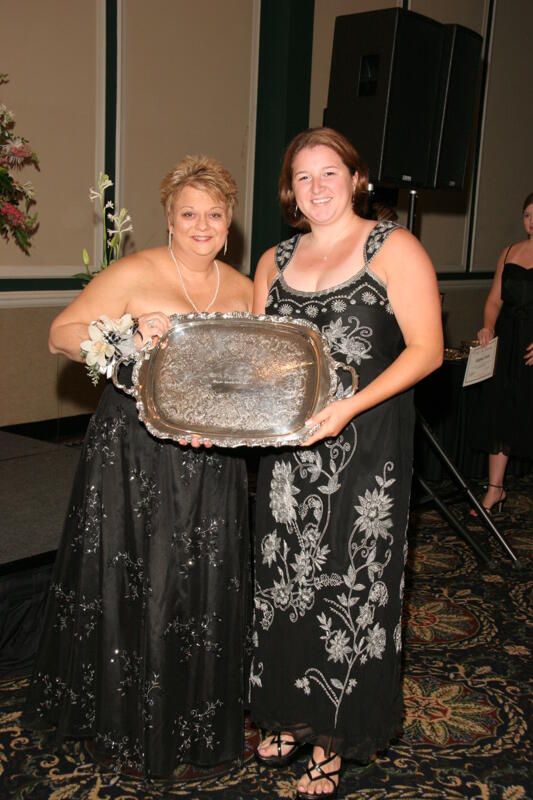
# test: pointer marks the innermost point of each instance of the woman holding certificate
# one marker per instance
(143, 644)
(332, 516)
(501, 425)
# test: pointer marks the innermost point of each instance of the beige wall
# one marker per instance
(36, 385)
(49, 52)
(186, 89)
(506, 170)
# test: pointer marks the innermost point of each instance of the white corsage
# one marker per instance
(109, 340)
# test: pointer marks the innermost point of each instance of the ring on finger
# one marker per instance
(150, 323)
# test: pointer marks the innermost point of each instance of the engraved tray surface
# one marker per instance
(235, 379)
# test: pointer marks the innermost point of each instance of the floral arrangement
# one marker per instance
(109, 340)
(16, 222)
(113, 235)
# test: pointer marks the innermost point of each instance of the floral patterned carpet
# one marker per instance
(467, 687)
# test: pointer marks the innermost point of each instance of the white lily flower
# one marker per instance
(121, 326)
(98, 352)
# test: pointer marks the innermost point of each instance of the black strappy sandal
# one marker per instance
(322, 774)
(279, 760)
(499, 503)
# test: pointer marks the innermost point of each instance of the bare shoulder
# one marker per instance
(238, 286)
(130, 266)
(401, 240)
(266, 266)
(517, 250)
(142, 260)
(237, 277)
(402, 252)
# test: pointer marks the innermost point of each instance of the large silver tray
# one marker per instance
(235, 379)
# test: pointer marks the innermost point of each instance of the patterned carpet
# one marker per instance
(467, 689)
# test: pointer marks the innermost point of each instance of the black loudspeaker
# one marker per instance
(401, 89)
(460, 75)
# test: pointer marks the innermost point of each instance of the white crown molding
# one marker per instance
(39, 299)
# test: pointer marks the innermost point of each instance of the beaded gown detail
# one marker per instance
(330, 544)
(501, 418)
(143, 642)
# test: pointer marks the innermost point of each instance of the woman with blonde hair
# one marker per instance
(142, 648)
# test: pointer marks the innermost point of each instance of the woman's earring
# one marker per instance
(296, 209)
(226, 246)
(169, 238)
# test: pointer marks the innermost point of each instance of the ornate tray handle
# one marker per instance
(129, 360)
(353, 375)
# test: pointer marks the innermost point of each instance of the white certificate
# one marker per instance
(481, 362)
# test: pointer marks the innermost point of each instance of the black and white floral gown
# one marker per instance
(143, 642)
(331, 539)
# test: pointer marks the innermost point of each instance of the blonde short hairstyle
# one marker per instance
(203, 173)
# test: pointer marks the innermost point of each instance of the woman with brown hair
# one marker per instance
(332, 515)
(142, 648)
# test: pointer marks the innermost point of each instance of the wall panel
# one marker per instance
(35, 384)
(506, 169)
(49, 51)
(186, 89)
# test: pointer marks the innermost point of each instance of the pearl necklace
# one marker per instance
(187, 295)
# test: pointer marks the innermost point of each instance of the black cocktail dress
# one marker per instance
(502, 405)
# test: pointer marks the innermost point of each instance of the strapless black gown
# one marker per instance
(330, 542)
(502, 406)
(143, 643)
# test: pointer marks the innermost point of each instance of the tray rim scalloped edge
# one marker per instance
(294, 438)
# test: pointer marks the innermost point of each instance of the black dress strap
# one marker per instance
(285, 251)
(507, 253)
(377, 237)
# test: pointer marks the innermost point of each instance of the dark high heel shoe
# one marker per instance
(279, 760)
(499, 503)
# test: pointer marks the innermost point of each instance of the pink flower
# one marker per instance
(14, 216)
(20, 151)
